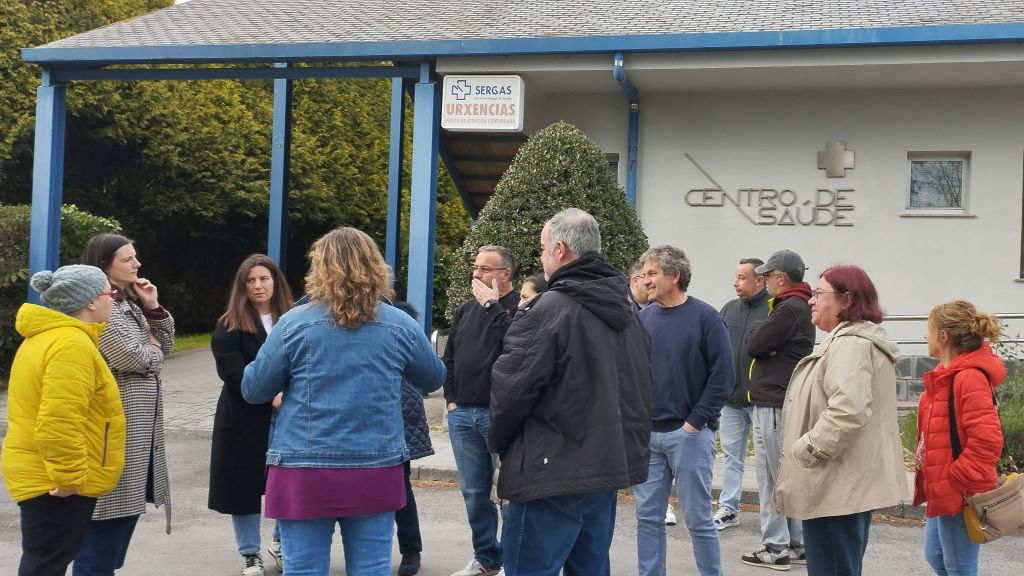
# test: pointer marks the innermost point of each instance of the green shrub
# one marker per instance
(558, 168)
(77, 227)
(1011, 401)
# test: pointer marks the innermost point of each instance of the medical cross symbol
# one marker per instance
(835, 159)
(461, 90)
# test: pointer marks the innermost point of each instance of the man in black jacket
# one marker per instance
(741, 315)
(776, 345)
(474, 343)
(570, 408)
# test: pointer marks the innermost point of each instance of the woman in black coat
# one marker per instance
(259, 296)
(417, 438)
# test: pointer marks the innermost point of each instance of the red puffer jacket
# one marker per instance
(942, 482)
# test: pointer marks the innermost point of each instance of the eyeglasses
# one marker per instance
(487, 269)
(113, 292)
(817, 293)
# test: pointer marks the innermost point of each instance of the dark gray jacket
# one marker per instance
(417, 431)
(570, 393)
(740, 318)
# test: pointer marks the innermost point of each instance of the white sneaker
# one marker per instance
(726, 518)
(670, 516)
(252, 565)
(475, 568)
(274, 551)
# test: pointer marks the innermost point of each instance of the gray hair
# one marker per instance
(636, 269)
(507, 259)
(672, 261)
(577, 230)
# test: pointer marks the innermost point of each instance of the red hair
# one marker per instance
(854, 283)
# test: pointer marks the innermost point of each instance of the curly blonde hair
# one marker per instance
(966, 326)
(348, 273)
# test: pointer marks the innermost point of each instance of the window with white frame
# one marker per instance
(938, 182)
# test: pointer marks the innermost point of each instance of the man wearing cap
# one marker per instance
(776, 345)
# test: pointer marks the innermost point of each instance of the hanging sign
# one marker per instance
(482, 104)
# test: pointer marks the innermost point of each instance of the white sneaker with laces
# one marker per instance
(670, 516)
(726, 518)
(252, 565)
(475, 568)
(274, 551)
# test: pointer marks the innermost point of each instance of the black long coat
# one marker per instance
(240, 430)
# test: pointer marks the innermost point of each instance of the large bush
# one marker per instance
(558, 168)
(76, 229)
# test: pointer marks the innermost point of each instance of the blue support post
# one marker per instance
(280, 167)
(393, 232)
(47, 179)
(633, 130)
(425, 145)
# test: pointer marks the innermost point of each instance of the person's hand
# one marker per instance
(484, 293)
(919, 455)
(147, 293)
(690, 429)
(153, 340)
(452, 406)
(61, 493)
(278, 399)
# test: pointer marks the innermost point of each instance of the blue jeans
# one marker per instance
(105, 547)
(467, 427)
(366, 540)
(733, 431)
(835, 545)
(688, 457)
(948, 549)
(247, 532)
(571, 533)
(777, 532)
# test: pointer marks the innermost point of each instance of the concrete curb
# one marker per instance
(437, 474)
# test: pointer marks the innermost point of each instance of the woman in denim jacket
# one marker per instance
(337, 447)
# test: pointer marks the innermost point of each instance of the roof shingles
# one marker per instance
(256, 22)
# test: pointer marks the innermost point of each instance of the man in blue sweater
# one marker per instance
(692, 374)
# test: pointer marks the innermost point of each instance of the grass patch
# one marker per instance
(191, 342)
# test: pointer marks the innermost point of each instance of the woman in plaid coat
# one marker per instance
(140, 332)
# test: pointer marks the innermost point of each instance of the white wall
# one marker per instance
(771, 140)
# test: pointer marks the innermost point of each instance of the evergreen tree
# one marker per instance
(557, 168)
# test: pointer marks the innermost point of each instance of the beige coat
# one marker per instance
(841, 442)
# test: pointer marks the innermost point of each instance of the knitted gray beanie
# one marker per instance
(69, 288)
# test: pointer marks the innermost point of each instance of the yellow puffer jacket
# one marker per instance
(65, 423)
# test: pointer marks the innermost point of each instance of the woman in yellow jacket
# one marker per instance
(65, 437)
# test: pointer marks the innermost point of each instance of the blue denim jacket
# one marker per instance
(342, 388)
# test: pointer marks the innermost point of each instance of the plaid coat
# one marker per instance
(136, 365)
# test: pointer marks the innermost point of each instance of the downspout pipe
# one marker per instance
(633, 131)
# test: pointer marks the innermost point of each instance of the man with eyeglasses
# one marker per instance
(776, 345)
(637, 291)
(474, 343)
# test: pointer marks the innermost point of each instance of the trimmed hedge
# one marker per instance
(557, 168)
(77, 227)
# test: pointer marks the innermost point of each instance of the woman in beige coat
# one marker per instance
(842, 456)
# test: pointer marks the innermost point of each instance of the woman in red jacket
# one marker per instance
(958, 337)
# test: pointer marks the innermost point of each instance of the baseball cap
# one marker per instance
(784, 261)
